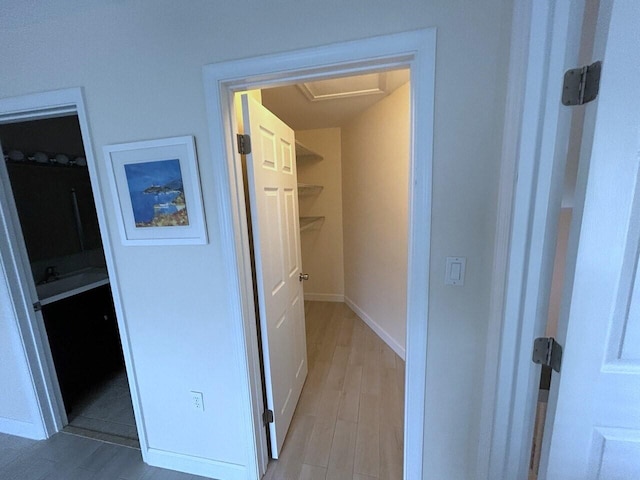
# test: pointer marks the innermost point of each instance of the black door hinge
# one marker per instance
(547, 352)
(267, 417)
(244, 144)
(581, 85)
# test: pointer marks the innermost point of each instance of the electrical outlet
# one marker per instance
(196, 401)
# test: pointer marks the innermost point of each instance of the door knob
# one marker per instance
(304, 276)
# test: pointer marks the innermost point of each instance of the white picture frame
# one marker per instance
(156, 191)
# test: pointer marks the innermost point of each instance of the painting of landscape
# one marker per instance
(157, 193)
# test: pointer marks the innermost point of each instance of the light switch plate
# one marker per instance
(455, 270)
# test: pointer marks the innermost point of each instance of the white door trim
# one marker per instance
(32, 332)
(415, 50)
(517, 77)
(530, 196)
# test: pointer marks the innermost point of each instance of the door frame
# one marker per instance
(15, 262)
(415, 50)
(535, 144)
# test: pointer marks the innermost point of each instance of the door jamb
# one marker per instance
(517, 76)
(32, 332)
(416, 50)
(530, 195)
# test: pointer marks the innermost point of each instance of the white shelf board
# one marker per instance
(307, 189)
(308, 223)
(305, 152)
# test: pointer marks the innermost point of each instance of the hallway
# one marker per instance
(349, 421)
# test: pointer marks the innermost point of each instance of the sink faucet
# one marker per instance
(51, 274)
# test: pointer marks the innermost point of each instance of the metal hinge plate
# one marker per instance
(244, 144)
(37, 307)
(547, 352)
(267, 417)
(581, 85)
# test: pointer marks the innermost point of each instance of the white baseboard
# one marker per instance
(324, 297)
(21, 429)
(195, 465)
(381, 332)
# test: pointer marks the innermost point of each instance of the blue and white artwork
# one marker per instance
(157, 193)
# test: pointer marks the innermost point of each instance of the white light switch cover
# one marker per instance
(455, 270)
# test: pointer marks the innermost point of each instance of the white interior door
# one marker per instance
(595, 432)
(273, 191)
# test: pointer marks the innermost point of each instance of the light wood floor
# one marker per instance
(349, 421)
(69, 457)
(348, 424)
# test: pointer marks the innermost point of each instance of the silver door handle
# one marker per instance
(304, 276)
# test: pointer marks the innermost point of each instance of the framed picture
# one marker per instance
(156, 190)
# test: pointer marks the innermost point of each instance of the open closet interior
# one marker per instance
(352, 166)
(352, 150)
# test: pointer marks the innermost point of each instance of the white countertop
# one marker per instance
(72, 284)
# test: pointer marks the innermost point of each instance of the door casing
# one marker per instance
(414, 50)
(16, 265)
(545, 36)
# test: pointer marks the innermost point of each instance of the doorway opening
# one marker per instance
(59, 239)
(352, 170)
(412, 50)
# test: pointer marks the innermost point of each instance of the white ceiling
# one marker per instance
(296, 110)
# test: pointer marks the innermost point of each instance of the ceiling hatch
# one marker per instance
(345, 87)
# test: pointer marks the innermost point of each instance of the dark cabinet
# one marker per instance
(84, 340)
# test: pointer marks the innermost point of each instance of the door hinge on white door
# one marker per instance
(267, 417)
(244, 144)
(37, 307)
(547, 352)
(581, 85)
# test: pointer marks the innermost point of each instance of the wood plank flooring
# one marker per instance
(348, 424)
(69, 457)
(349, 421)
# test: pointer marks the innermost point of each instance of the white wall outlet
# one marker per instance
(455, 269)
(197, 401)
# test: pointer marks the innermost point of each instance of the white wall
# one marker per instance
(375, 169)
(140, 64)
(322, 253)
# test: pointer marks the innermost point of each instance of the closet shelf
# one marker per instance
(307, 189)
(306, 153)
(307, 223)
